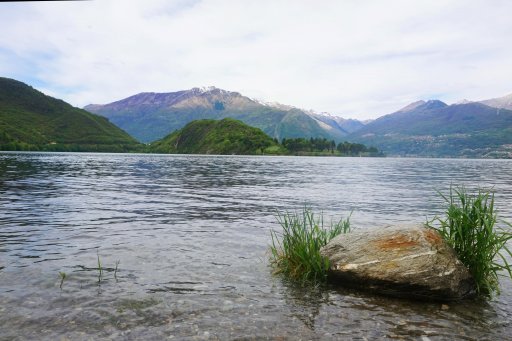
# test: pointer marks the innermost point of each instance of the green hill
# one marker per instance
(30, 120)
(227, 136)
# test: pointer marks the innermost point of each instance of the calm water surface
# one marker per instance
(191, 234)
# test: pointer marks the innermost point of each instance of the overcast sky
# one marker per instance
(358, 59)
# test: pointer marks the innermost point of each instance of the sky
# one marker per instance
(351, 58)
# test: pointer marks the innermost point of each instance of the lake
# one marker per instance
(189, 236)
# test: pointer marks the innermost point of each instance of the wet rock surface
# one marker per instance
(406, 261)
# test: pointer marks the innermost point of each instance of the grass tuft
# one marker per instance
(115, 270)
(62, 278)
(295, 252)
(470, 229)
(100, 268)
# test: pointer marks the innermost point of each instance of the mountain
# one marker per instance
(345, 125)
(226, 136)
(433, 128)
(31, 120)
(150, 116)
(504, 102)
(350, 125)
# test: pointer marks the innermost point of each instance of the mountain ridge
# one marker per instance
(504, 102)
(433, 128)
(149, 115)
(31, 120)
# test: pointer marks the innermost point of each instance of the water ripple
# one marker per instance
(182, 244)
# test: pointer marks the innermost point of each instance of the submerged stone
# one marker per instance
(410, 262)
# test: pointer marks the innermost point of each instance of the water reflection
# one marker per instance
(305, 302)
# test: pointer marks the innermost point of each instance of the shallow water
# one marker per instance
(191, 235)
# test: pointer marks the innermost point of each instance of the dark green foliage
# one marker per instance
(295, 252)
(357, 149)
(300, 144)
(469, 227)
(323, 145)
(227, 136)
(30, 120)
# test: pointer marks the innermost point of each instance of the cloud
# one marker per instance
(352, 58)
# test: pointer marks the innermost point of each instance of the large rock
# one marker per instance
(401, 261)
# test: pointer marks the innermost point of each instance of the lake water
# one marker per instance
(191, 236)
